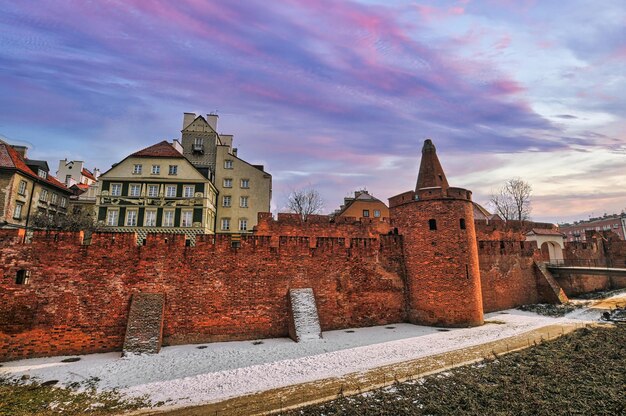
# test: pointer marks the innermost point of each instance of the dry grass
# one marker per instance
(583, 373)
(19, 398)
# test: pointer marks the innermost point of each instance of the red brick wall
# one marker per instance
(320, 226)
(507, 230)
(576, 284)
(443, 274)
(507, 274)
(78, 297)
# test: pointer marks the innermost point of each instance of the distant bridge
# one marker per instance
(593, 267)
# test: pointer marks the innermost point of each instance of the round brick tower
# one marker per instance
(441, 256)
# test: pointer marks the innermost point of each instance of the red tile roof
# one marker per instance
(10, 159)
(88, 174)
(162, 149)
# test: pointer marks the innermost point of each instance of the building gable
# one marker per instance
(199, 125)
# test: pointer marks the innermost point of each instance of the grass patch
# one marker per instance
(27, 397)
(582, 373)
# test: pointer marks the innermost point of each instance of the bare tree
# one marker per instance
(82, 220)
(512, 200)
(305, 202)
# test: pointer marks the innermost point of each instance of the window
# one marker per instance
(134, 189)
(22, 188)
(245, 183)
(243, 224)
(197, 141)
(17, 213)
(22, 277)
(116, 189)
(186, 218)
(68, 178)
(150, 218)
(228, 164)
(136, 169)
(156, 169)
(63, 202)
(228, 183)
(42, 173)
(462, 223)
(366, 213)
(170, 191)
(432, 224)
(112, 216)
(54, 199)
(225, 224)
(188, 191)
(43, 197)
(153, 191)
(377, 213)
(173, 170)
(168, 218)
(226, 200)
(131, 218)
(243, 202)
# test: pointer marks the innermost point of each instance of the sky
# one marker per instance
(335, 95)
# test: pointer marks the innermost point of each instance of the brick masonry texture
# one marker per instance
(441, 265)
(79, 296)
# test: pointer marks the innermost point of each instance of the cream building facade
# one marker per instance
(157, 190)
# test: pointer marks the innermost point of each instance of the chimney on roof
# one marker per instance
(176, 145)
(431, 173)
(188, 118)
(21, 150)
(96, 173)
(212, 120)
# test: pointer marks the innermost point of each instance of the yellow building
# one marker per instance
(157, 190)
(27, 189)
(363, 205)
(244, 189)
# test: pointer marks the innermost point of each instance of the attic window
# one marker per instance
(432, 224)
(22, 277)
(42, 173)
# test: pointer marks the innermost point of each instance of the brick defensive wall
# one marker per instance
(431, 263)
(77, 297)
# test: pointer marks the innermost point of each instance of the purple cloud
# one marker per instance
(341, 87)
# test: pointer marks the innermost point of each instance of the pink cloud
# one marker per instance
(503, 43)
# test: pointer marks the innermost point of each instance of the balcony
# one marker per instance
(198, 148)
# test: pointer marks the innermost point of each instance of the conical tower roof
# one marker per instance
(431, 173)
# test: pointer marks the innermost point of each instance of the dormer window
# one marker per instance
(42, 173)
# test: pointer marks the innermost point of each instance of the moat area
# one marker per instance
(192, 375)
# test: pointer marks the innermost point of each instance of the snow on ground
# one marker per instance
(186, 375)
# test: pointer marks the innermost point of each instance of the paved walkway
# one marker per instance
(272, 401)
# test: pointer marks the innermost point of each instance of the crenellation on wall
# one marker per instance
(214, 292)
(120, 240)
(507, 247)
(431, 263)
